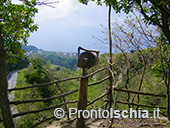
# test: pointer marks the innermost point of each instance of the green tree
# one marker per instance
(39, 75)
(161, 68)
(20, 63)
(15, 25)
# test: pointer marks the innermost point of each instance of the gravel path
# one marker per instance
(12, 80)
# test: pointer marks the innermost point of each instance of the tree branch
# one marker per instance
(42, 3)
(147, 17)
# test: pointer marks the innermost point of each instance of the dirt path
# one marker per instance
(119, 123)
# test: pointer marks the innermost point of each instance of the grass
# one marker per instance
(20, 77)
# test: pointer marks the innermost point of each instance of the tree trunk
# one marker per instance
(110, 59)
(165, 25)
(167, 98)
(4, 102)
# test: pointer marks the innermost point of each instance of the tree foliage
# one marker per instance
(38, 76)
(16, 24)
(17, 63)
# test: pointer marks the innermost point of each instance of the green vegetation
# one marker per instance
(150, 84)
(68, 60)
(19, 63)
(41, 72)
(26, 77)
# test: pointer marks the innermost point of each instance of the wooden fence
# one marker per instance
(106, 93)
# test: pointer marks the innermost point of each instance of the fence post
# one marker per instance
(82, 101)
(168, 102)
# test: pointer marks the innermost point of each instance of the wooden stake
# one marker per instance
(82, 101)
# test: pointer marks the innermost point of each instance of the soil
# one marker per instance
(118, 123)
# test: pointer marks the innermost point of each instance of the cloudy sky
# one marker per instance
(69, 25)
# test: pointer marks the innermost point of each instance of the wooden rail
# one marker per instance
(139, 92)
(143, 105)
(44, 99)
(55, 97)
(67, 112)
(42, 121)
(98, 98)
(57, 81)
(40, 110)
(44, 84)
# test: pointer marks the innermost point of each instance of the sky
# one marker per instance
(71, 24)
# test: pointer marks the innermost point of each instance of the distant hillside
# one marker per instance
(64, 59)
(67, 60)
(30, 48)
